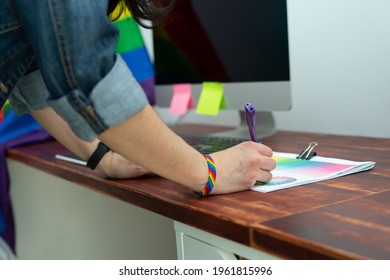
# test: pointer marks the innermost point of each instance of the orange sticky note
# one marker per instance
(211, 99)
(182, 99)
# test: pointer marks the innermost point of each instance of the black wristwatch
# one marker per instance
(100, 151)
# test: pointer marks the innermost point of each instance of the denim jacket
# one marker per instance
(72, 43)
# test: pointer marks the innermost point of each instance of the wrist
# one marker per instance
(104, 164)
(97, 155)
(211, 178)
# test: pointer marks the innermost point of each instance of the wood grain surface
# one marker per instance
(342, 218)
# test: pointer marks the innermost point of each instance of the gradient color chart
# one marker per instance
(292, 172)
(309, 168)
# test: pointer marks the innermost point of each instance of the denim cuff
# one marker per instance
(30, 94)
(117, 97)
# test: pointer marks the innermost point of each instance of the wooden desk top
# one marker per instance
(343, 218)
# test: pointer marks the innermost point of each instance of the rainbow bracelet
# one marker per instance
(211, 178)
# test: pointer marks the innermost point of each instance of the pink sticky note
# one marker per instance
(182, 99)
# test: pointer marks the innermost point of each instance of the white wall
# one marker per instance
(340, 67)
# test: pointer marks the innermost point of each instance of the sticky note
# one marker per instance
(182, 99)
(211, 99)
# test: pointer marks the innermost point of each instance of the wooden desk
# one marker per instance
(343, 218)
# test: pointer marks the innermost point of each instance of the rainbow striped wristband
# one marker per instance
(211, 178)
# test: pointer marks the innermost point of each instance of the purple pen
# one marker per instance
(251, 120)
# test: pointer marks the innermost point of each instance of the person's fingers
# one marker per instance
(268, 164)
(261, 148)
(264, 150)
(263, 160)
(264, 176)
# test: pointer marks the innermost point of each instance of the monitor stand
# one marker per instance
(265, 126)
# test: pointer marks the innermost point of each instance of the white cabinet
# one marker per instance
(195, 244)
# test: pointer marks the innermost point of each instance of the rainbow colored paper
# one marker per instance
(291, 172)
(309, 168)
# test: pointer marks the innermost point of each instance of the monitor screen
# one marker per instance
(242, 44)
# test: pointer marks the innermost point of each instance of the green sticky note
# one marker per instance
(211, 99)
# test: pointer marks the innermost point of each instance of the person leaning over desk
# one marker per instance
(58, 63)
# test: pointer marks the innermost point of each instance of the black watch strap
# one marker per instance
(100, 151)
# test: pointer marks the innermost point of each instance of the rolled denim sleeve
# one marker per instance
(89, 85)
(116, 97)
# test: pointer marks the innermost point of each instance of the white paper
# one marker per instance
(291, 172)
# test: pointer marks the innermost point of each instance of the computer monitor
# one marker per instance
(242, 44)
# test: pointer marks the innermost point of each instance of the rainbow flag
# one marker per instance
(131, 47)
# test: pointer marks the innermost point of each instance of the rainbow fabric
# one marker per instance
(12, 126)
(4, 111)
(131, 47)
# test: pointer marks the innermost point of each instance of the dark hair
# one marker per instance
(153, 10)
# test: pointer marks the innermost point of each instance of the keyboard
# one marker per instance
(209, 144)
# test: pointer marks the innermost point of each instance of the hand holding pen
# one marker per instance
(241, 166)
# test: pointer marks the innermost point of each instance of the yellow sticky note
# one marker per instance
(182, 99)
(211, 99)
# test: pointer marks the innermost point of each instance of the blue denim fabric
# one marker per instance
(15, 51)
(74, 44)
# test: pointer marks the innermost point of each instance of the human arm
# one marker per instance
(112, 164)
(237, 168)
(145, 140)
